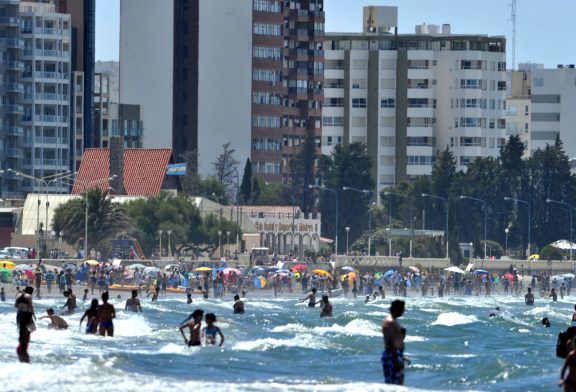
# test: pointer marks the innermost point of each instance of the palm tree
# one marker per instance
(105, 218)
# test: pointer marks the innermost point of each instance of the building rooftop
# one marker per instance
(144, 170)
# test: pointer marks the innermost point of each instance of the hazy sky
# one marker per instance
(545, 29)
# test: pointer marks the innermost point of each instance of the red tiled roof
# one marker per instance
(144, 170)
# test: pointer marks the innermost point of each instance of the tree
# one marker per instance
(255, 198)
(302, 172)
(246, 185)
(224, 170)
(105, 219)
(349, 165)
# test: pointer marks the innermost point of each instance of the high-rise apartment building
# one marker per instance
(46, 57)
(188, 65)
(248, 72)
(11, 90)
(287, 78)
(409, 95)
(553, 101)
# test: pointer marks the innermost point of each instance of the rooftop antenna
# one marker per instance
(513, 19)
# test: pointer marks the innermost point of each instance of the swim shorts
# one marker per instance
(190, 344)
(107, 324)
(392, 373)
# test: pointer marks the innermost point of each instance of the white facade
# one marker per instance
(146, 65)
(224, 80)
(443, 90)
(518, 120)
(553, 108)
(46, 99)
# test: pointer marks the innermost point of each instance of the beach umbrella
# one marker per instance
(272, 269)
(299, 268)
(92, 262)
(454, 269)
(7, 264)
(480, 271)
(414, 269)
(228, 271)
(508, 276)
(281, 274)
(170, 266)
(153, 271)
(134, 266)
(29, 274)
(23, 267)
(348, 268)
(378, 274)
(259, 282)
(321, 272)
(568, 276)
(203, 269)
(389, 273)
(5, 271)
(350, 276)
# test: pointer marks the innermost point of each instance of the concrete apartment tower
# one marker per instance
(188, 64)
(409, 95)
(209, 72)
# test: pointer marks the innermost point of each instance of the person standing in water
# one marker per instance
(194, 324)
(311, 298)
(326, 307)
(553, 295)
(25, 321)
(529, 297)
(133, 303)
(70, 302)
(569, 382)
(393, 355)
(106, 313)
(92, 317)
(210, 331)
(238, 305)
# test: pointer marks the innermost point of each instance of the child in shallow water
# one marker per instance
(210, 331)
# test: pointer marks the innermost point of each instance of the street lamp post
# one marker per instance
(237, 210)
(228, 232)
(160, 242)
(529, 217)
(219, 243)
(506, 231)
(365, 191)
(388, 193)
(347, 232)
(485, 217)
(336, 196)
(447, 220)
(563, 203)
(169, 242)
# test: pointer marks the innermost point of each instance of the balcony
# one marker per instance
(14, 152)
(16, 43)
(51, 162)
(14, 65)
(46, 140)
(9, 21)
(46, 97)
(46, 75)
(14, 109)
(14, 87)
(51, 118)
(14, 131)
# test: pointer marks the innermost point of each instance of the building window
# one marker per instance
(267, 6)
(387, 103)
(502, 85)
(267, 29)
(526, 110)
(538, 82)
(473, 84)
(267, 75)
(419, 160)
(267, 52)
(358, 102)
(266, 122)
(333, 102)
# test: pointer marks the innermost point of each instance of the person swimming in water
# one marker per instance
(56, 322)
(393, 355)
(188, 298)
(546, 322)
(311, 298)
(133, 303)
(194, 324)
(495, 312)
(210, 331)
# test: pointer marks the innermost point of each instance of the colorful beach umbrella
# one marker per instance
(203, 269)
(228, 271)
(259, 282)
(534, 257)
(299, 268)
(348, 268)
(153, 271)
(322, 272)
(7, 264)
(416, 270)
(350, 276)
(23, 267)
(134, 266)
(92, 262)
(389, 273)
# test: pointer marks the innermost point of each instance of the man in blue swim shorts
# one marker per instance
(393, 354)
(106, 313)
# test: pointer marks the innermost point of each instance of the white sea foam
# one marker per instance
(265, 344)
(451, 319)
(410, 339)
(357, 327)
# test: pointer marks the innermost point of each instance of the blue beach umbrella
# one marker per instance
(389, 273)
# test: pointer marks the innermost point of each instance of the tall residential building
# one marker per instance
(287, 78)
(46, 58)
(11, 90)
(409, 95)
(518, 103)
(188, 65)
(83, 40)
(248, 72)
(553, 101)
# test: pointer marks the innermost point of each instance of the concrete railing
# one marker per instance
(527, 265)
(387, 261)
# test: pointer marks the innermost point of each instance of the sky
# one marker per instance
(545, 29)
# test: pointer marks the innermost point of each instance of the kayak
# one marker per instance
(119, 287)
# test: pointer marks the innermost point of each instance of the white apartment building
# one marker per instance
(188, 66)
(409, 95)
(46, 58)
(553, 112)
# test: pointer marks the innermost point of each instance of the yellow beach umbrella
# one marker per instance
(322, 272)
(203, 269)
(534, 257)
(7, 264)
(92, 262)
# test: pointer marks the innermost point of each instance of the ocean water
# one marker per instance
(281, 345)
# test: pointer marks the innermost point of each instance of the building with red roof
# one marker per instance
(141, 173)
